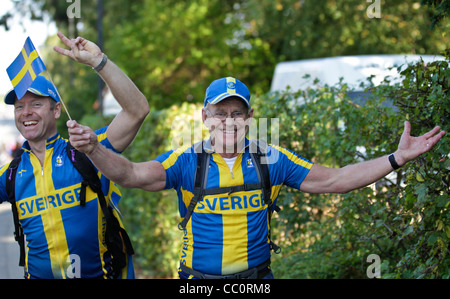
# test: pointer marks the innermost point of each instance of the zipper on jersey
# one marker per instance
(230, 169)
(49, 213)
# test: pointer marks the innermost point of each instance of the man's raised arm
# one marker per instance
(126, 124)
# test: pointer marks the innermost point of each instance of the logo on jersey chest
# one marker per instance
(238, 201)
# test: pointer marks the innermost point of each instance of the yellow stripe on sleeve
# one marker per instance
(293, 157)
(173, 157)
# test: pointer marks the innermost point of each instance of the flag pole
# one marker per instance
(60, 98)
(50, 77)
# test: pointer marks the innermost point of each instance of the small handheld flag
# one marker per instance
(25, 68)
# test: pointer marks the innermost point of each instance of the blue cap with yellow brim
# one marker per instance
(224, 88)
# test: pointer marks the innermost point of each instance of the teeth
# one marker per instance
(30, 123)
(228, 132)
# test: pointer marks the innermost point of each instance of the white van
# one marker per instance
(354, 70)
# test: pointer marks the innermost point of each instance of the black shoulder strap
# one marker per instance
(116, 236)
(11, 191)
(263, 170)
(201, 175)
(84, 166)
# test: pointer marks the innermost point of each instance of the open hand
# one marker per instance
(411, 147)
(81, 50)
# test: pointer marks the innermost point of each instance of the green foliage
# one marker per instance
(441, 10)
(176, 48)
(424, 96)
(172, 50)
(294, 29)
(327, 236)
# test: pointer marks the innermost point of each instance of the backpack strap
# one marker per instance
(84, 166)
(264, 177)
(201, 176)
(117, 239)
(11, 191)
(263, 172)
(232, 189)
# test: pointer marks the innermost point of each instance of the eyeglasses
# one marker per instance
(223, 116)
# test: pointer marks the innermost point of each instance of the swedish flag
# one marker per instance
(25, 68)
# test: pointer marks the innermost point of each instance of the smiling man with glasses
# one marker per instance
(227, 124)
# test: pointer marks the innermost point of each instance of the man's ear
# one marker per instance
(250, 113)
(57, 110)
(204, 115)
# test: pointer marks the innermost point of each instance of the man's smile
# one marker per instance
(30, 123)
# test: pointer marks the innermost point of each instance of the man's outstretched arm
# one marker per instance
(322, 179)
(149, 176)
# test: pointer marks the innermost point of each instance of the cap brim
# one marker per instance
(10, 98)
(227, 95)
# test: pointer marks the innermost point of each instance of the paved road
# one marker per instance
(9, 249)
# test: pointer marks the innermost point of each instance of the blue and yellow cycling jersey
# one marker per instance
(228, 233)
(64, 239)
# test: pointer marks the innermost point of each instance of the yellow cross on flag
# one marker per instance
(25, 68)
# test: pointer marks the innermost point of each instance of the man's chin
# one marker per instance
(228, 147)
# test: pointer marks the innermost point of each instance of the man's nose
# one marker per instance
(27, 110)
(229, 121)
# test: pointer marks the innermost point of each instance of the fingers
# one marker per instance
(432, 132)
(77, 132)
(71, 123)
(64, 39)
(80, 42)
(81, 50)
(68, 43)
(407, 129)
(82, 137)
(74, 127)
(75, 46)
(435, 138)
(63, 52)
(432, 137)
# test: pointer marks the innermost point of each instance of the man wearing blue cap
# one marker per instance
(221, 96)
(65, 239)
(227, 230)
(41, 93)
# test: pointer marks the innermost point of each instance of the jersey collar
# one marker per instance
(209, 149)
(49, 143)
